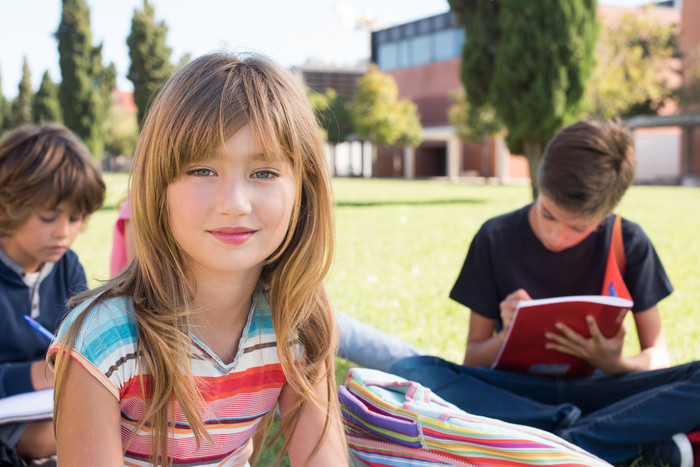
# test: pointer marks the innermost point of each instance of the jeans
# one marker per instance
(368, 346)
(615, 417)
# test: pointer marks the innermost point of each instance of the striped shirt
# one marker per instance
(235, 395)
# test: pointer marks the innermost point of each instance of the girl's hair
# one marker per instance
(42, 167)
(198, 109)
(588, 166)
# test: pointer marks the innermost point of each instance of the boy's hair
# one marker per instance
(588, 166)
(42, 167)
(199, 109)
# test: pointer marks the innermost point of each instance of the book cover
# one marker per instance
(523, 349)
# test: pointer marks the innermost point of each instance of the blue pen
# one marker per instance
(39, 328)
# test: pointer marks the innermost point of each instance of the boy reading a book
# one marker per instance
(48, 187)
(558, 246)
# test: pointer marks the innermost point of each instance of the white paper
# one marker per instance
(26, 407)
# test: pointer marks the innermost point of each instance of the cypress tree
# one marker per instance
(530, 60)
(150, 57)
(21, 112)
(3, 109)
(86, 85)
(46, 107)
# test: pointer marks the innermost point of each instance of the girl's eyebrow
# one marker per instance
(258, 156)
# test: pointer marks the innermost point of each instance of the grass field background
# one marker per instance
(400, 245)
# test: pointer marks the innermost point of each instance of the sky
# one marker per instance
(290, 31)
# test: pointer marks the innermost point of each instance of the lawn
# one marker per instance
(400, 245)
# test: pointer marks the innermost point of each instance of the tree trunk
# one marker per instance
(334, 169)
(532, 150)
(485, 158)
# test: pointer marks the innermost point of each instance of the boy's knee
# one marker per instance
(408, 367)
(37, 442)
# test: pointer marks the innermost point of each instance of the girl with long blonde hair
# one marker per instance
(222, 315)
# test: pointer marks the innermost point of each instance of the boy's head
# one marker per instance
(42, 168)
(588, 166)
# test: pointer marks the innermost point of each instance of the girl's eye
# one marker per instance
(201, 172)
(264, 174)
(47, 219)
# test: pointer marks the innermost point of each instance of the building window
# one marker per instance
(448, 44)
(421, 50)
(387, 56)
(418, 43)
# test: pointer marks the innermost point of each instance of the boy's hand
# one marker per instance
(42, 376)
(509, 304)
(601, 352)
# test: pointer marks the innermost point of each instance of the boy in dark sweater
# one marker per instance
(49, 185)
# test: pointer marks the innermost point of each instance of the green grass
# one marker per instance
(400, 245)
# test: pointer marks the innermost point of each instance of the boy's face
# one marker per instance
(44, 237)
(557, 228)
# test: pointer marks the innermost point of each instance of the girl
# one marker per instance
(222, 314)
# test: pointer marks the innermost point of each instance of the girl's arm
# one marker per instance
(129, 240)
(88, 429)
(308, 432)
(606, 353)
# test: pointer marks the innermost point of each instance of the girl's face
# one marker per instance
(44, 237)
(557, 228)
(230, 212)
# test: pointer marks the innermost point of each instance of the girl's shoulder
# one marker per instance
(104, 323)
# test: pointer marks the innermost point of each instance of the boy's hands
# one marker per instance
(41, 374)
(509, 304)
(601, 352)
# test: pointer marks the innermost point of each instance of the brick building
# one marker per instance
(424, 57)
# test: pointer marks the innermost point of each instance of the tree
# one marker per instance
(46, 107)
(21, 112)
(333, 117)
(379, 116)
(634, 64)
(150, 57)
(408, 122)
(4, 111)
(86, 85)
(689, 94)
(332, 114)
(122, 133)
(530, 60)
(474, 124)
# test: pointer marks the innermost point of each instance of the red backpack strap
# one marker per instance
(617, 246)
(613, 284)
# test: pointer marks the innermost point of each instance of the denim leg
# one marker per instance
(665, 402)
(368, 346)
(490, 393)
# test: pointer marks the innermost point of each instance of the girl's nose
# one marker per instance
(235, 198)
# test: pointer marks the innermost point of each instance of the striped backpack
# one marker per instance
(392, 422)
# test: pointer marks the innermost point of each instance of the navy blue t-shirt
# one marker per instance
(505, 255)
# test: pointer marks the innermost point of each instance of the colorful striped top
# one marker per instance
(236, 395)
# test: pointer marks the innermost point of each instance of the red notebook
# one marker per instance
(524, 347)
